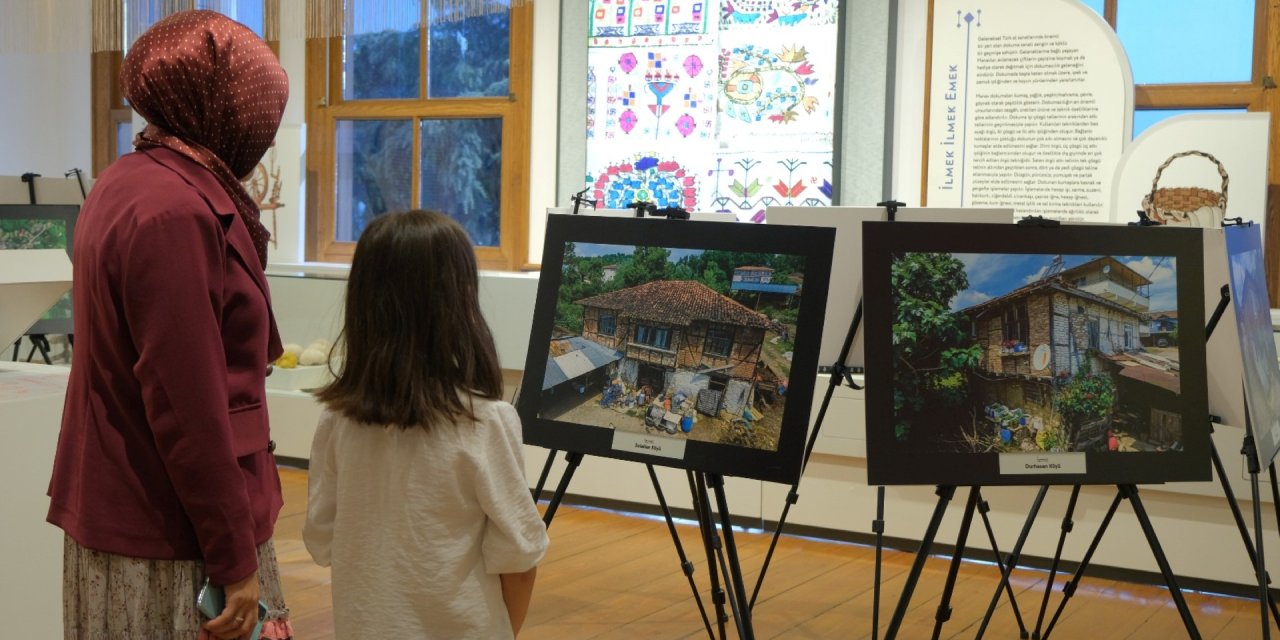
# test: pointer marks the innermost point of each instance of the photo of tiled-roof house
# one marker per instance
(1086, 319)
(680, 335)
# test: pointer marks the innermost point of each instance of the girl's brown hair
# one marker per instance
(414, 340)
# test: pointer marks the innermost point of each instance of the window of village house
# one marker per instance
(1016, 324)
(606, 324)
(1095, 334)
(719, 342)
(651, 336)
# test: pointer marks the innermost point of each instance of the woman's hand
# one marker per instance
(240, 615)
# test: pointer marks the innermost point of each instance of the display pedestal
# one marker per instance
(31, 549)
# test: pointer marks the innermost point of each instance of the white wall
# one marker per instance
(44, 97)
(45, 102)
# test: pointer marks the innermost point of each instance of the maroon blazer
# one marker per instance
(164, 445)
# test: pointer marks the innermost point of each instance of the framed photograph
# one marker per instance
(1003, 354)
(42, 226)
(678, 343)
(847, 261)
(1257, 343)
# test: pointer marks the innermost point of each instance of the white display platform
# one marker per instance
(31, 549)
(31, 281)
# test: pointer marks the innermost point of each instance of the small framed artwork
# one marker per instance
(1002, 354)
(42, 226)
(679, 343)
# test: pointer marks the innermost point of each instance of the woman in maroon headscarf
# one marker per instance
(164, 474)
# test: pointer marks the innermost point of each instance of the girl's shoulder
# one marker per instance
(487, 410)
(497, 419)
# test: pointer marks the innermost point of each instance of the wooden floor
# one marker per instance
(608, 575)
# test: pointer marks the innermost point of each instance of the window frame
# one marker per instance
(612, 323)
(106, 109)
(726, 338)
(1259, 94)
(1015, 319)
(326, 106)
(652, 333)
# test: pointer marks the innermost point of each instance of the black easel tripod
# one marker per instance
(720, 548)
(39, 341)
(843, 374)
(1130, 492)
(719, 545)
(1006, 565)
(1265, 600)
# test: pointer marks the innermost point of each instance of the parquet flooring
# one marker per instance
(615, 576)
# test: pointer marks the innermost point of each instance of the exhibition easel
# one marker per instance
(711, 540)
(1123, 492)
(841, 373)
(1265, 599)
(1130, 492)
(40, 338)
(1006, 565)
(39, 341)
(719, 545)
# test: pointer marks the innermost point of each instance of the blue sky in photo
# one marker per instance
(992, 275)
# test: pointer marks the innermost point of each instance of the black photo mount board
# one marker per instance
(813, 243)
(890, 461)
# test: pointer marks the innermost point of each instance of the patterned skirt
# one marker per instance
(108, 597)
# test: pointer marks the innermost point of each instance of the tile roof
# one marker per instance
(677, 302)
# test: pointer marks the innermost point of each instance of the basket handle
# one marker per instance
(1222, 171)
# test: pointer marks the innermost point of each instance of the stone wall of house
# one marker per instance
(742, 358)
(1040, 315)
(990, 335)
(1110, 322)
(591, 329)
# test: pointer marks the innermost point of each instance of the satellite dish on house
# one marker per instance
(1106, 268)
(1040, 358)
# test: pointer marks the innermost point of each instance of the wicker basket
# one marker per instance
(1187, 206)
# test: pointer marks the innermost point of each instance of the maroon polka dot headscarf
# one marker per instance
(212, 90)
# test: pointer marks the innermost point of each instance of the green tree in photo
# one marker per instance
(715, 278)
(579, 278)
(647, 264)
(932, 350)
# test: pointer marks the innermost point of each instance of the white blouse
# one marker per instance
(418, 524)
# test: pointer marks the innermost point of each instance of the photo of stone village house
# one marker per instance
(673, 344)
(1086, 319)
